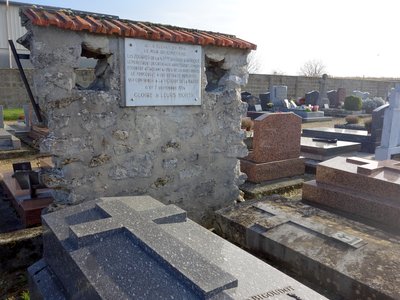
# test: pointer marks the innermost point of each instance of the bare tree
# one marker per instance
(313, 68)
(277, 72)
(253, 63)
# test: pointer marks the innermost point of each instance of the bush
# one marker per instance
(352, 119)
(368, 124)
(352, 103)
(379, 101)
(370, 104)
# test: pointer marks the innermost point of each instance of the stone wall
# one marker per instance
(12, 89)
(299, 85)
(13, 94)
(186, 155)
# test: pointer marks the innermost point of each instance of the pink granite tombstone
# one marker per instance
(276, 148)
(367, 188)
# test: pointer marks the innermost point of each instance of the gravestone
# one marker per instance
(360, 94)
(341, 94)
(323, 98)
(376, 129)
(278, 94)
(345, 257)
(27, 115)
(138, 248)
(349, 135)
(312, 98)
(276, 148)
(333, 98)
(323, 149)
(390, 141)
(264, 100)
(367, 188)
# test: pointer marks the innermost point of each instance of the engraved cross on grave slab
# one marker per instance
(368, 167)
(204, 278)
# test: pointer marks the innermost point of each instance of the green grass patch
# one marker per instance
(13, 114)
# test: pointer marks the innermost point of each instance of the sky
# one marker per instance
(350, 37)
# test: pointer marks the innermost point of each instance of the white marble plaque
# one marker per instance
(161, 73)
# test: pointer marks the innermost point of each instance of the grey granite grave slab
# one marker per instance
(349, 259)
(138, 248)
(349, 135)
(323, 150)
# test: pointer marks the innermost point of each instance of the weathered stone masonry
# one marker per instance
(186, 155)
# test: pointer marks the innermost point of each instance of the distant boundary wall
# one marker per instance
(12, 90)
(299, 85)
(13, 94)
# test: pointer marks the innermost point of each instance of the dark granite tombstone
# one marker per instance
(312, 98)
(376, 128)
(322, 98)
(265, 99)
(333, 98)
(138, 248)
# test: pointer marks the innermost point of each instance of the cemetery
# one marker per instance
(162, 177)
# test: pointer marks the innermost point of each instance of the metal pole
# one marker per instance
(8, 36)
(35, 106)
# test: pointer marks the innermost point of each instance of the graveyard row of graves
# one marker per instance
(158, 181)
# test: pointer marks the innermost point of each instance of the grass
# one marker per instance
(13, 114)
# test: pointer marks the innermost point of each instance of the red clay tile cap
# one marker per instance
(109, 25)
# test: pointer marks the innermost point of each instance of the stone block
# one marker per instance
(258, 172)
(366, 188)
(138, 248)
(323, 150)
(276, 137)
(348, 259)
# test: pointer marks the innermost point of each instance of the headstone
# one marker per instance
(278, 94)
(333, 98)
(276, 148)
(27, 115)
(376, 129)
(323, 98)
(312, 98)
(138, 248)
(1, 117)
(363, 187)
(362, 95)
(390, 142)
(264, 100)
(341, 95)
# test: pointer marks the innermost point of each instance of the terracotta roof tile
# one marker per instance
(79, 21)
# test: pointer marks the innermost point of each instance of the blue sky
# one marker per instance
(350, 37)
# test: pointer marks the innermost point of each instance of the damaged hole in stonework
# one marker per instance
(214, 73)
(101, 72)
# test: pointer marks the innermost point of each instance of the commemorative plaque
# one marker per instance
(162, 73)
